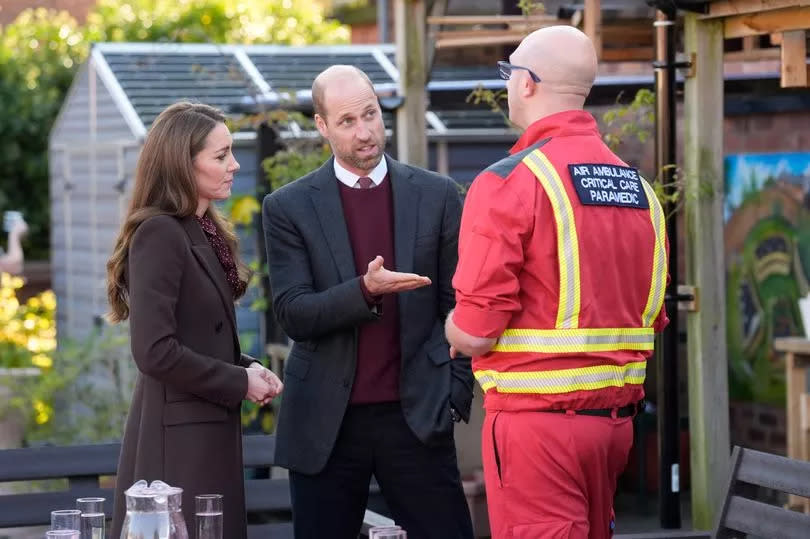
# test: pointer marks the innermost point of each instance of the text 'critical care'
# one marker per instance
(608, 185)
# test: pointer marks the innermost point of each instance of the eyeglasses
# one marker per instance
(505, 71)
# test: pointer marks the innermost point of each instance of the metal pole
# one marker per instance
(667, 346)
(382, 20)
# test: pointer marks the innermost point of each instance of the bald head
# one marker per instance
(335, 77)
(564, 60)
(562, 56)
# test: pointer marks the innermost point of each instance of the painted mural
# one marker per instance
(767, 252)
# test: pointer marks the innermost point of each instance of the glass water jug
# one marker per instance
(154, 512)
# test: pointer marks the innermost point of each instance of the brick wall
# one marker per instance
(364, 33)
(781, 132)
(9, 9)
(758, 426)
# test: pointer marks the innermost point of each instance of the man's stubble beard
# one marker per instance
(368, 163)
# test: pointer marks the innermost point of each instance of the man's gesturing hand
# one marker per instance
(379, 280)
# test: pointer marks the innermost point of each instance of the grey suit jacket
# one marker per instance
(318, 302)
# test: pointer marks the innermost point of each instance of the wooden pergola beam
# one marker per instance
(766, 22)
(466, 20)
(480, 30)
(592, 22)
(503, 38)
(794, 59)
(509, 35)
(449, 39)
(726, 8)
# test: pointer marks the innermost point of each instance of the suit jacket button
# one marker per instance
(346, 383)
(218, 327)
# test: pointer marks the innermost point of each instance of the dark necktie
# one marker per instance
(365, 182)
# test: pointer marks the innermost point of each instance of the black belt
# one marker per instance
(625, 411)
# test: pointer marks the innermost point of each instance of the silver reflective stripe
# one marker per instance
(569, 259)
(574, 340)
(563, 381)
(658, 284)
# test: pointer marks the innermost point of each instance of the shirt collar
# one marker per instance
(377, 174)
(569, 122)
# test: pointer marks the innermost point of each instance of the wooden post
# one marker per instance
(797, 364)
(794, 63)
(706, 327)
(749, 43)
(410, 38)
(592, 21)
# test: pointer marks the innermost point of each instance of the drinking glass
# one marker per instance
(208, 515)
(62, 534)
(387, 532)
(92, 517)
(65, 519)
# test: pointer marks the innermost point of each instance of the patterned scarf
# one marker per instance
(224, 255)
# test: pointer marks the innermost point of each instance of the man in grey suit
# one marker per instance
(361, 253)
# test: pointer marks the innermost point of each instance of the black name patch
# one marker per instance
(608, 185)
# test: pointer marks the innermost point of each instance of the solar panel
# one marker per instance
(472, 119)
(463, 73)
(297, 71)
(153, 81)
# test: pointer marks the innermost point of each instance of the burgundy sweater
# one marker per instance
(369, 217)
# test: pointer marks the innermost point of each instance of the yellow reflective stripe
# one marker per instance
(567, 242)
(658, 282)
(579, 331)
(557, 341)
(563, 381)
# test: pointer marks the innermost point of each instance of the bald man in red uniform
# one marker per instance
(559, 291)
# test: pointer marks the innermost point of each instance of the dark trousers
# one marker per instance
(420, 484)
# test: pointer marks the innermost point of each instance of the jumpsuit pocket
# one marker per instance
(496, 452)
(552, 529)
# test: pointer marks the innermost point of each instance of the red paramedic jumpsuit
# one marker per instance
(563, 259)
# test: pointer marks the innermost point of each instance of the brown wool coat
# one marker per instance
(184, 423)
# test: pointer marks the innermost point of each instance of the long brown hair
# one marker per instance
(165, 185)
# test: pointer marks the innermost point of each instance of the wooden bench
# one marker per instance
(741, 515)
(267, 500)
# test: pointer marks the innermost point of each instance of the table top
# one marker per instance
(797, 345)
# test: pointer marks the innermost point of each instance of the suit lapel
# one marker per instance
(406, 213)
(208, 260)
(329, 209)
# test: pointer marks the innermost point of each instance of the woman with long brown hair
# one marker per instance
(175, 273)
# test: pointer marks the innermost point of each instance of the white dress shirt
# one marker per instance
(377, 174)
